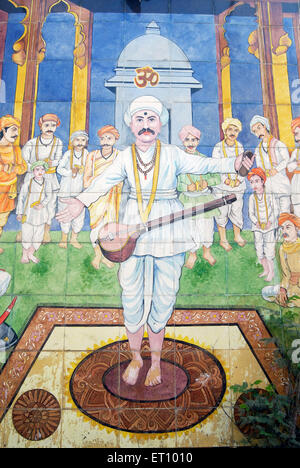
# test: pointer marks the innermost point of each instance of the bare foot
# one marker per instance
(131, 373)
(209, 258)
(240, 241)
(269, 277)
(33, 258)
(24, 259)
(191, 260)
(63, 245)
(153, 376)
(75, 244)
(226, 246)
(107, 262)
(96, 263)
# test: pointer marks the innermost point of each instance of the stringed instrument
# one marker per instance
(118, 241)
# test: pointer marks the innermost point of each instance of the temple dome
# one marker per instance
(154, 49)
(160, 53)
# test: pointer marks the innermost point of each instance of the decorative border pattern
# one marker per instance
(44, 320)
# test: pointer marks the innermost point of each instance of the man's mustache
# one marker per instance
(146, 130)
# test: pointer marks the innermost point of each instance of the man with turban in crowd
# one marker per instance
(71, 169)
(49, 148)
(263, 216)
(149, 278)
(272, 156)
(287, 293)
(294, 167)
(12, 165)
(230, 147)
(196, 189)
(106, 208)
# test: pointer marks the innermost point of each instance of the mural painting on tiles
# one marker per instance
(149, 218)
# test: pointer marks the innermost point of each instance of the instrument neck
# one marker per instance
(186, 213)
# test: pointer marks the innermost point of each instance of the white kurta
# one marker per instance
(150, 277)
(230, 152)
(279, 184)
(71, 186)
(33, 227)
(38, 191)
(233, 212)
(170, 239)
(265, 210)
(30, 155)
(294, 165)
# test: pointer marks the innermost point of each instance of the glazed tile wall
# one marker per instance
(64, 345)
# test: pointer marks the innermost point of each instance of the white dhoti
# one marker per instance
(32, 236)
(265, 243)
(149, 287)
(202, 230)
(232, 212)
(150, 277)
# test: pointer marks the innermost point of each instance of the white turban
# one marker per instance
(146, 103)
(79, 133)
(259, 119)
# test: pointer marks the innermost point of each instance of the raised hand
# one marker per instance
(73, 209)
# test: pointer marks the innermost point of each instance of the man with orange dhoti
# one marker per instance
(11, 165)
(106, 208)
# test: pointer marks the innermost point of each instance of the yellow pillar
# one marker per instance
(282, 98)
(226, 90)
(281, 84)
(80, 88)
(20, 57)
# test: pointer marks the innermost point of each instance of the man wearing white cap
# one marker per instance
(71, 169)
(230, 147)
(272, 156)
(150, 277)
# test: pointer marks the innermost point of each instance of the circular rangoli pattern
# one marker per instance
(36, 414)
(193, 385)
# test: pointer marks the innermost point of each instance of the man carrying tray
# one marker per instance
(150, 277)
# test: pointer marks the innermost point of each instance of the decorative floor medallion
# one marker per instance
(36, 414)
(193, 385)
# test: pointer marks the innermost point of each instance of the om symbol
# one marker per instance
(146, 75)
